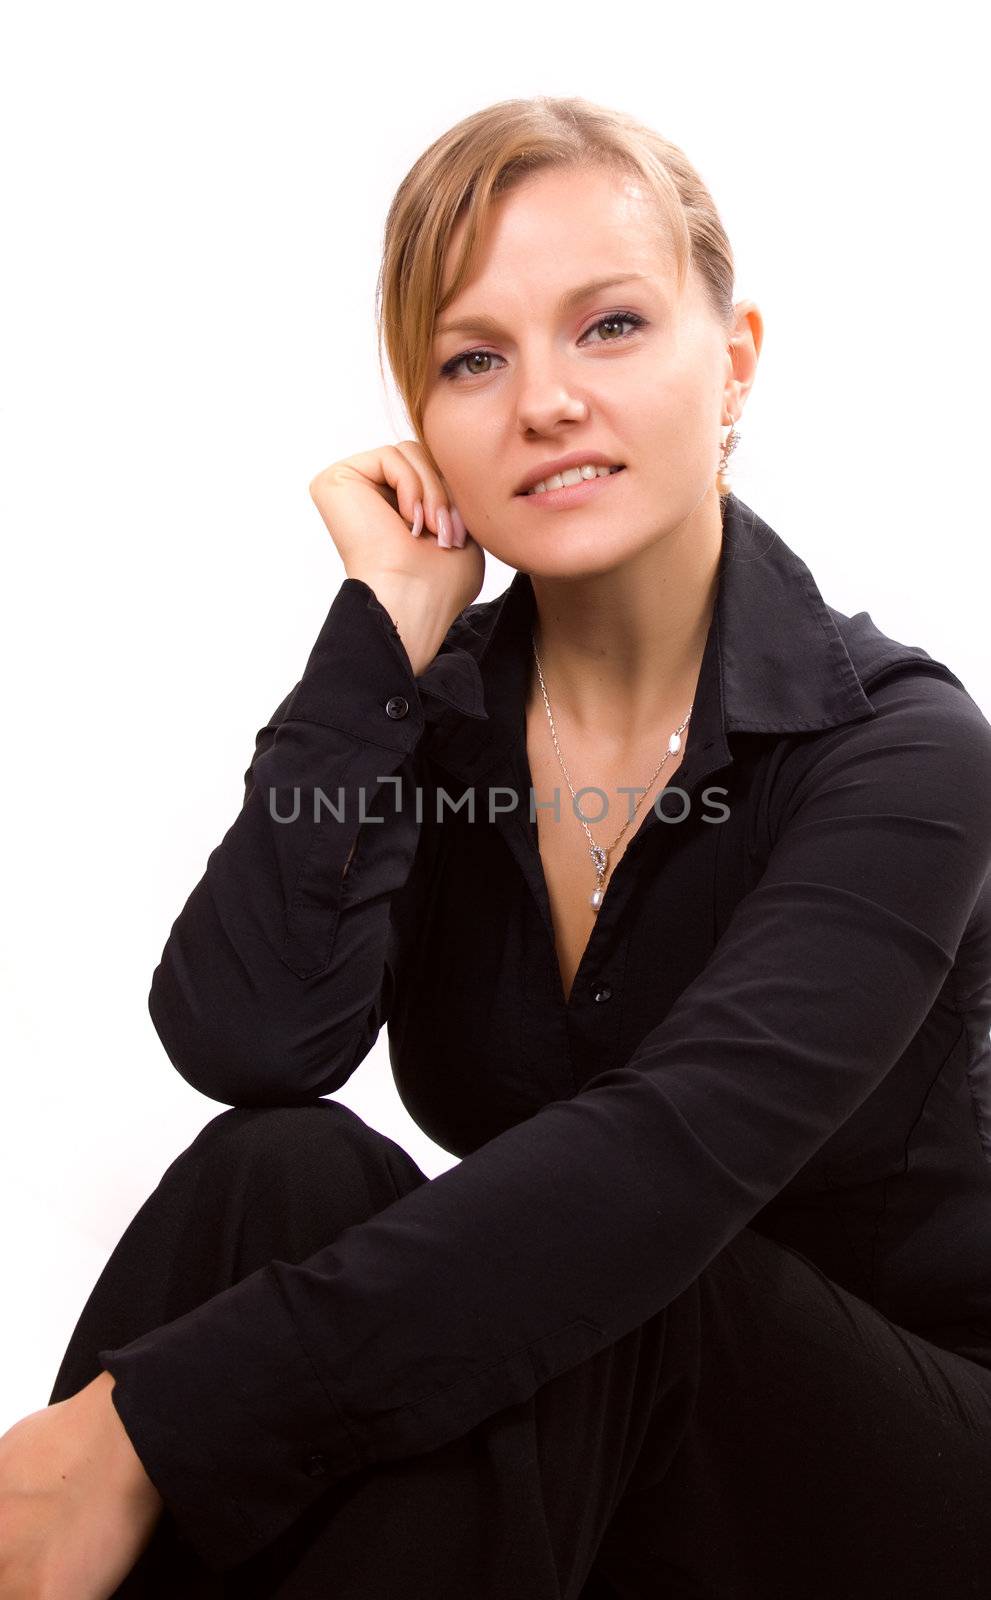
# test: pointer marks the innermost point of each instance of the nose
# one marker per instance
(546, 401)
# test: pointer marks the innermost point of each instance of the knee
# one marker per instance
(324, 1149)
(271, 1139)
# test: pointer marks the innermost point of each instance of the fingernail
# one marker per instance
(443, 528)
(417, 527)
(460, 531)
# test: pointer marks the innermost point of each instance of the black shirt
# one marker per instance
(780, 1020)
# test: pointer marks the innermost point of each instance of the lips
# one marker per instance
(600, 472)
(571, 495)
(575, 458)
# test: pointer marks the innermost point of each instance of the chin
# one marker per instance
(576, 558)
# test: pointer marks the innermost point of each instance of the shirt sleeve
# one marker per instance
(275, 978)
(568, 1230)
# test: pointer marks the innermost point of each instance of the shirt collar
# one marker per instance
(774, 661)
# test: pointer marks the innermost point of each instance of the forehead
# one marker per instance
(561, 227)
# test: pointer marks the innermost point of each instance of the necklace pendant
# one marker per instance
(600, 857)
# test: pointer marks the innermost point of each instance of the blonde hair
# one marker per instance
(469, 167)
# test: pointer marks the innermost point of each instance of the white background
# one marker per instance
(192, 205)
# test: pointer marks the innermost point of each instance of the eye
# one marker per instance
(612, 319)
(450, 368)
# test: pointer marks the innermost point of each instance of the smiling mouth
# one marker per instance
(568, 480)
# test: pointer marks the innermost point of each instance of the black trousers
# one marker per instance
(767, 1436)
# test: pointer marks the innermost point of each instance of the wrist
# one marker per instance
(421, 619)
(101, 1424)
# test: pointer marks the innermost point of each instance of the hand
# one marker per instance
(76, 1506)
(368, 503)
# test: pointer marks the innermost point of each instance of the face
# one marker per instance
(635, 374)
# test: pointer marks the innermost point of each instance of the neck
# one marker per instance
(621, 651)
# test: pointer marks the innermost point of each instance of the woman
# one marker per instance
(705, 1308)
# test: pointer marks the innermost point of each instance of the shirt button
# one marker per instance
(316, 1466)
(398, 706)
(601, 991)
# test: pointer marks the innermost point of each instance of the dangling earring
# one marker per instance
(729, 445)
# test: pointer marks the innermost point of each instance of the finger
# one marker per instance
(390, 469)
(436, 497)
(460, 531)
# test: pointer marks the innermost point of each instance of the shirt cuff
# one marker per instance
(284, 1443)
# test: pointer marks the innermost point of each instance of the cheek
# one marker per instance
(442, 443)
(468, 471)
(675, 410)
(464, 449)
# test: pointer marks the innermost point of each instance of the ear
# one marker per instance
(743, 348)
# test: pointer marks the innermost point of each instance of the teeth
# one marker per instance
(573, 475)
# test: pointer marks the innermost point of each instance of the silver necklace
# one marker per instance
(600, 853)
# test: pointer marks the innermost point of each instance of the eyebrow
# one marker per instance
(567, 302)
